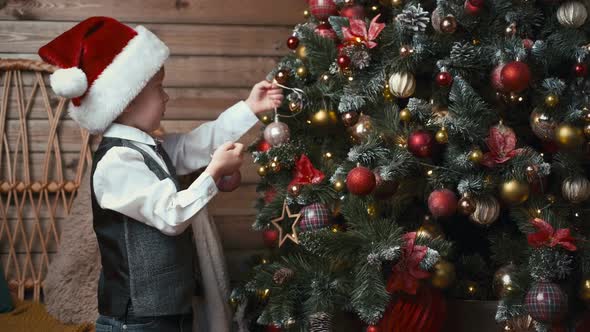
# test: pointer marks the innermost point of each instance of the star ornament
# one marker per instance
(284, 223)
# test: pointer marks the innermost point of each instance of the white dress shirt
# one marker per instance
(124, 183)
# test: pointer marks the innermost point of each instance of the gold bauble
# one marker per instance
(361, 129)
(503, 282)
(443, 274)
(442, 136)
(584, 291)
(430, 229)
(275, 166)
(551, 100)
(372, 209)
(405, 115)
(339, 185)
(387, 95)
(476, 156)
(569, 136)
(587, 130)
(323, 118)
(586, 115)
(514, 192)
(475, 42)
(466, 205)
(266, 118)
(294, 106)
(263, 293)
(306, 14)
(282, 76)
(301, 52)
(397, 3)
(301, 72)
(262, 170)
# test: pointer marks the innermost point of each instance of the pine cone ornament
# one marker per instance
(464, 53)
(281, 275)
(414, 18)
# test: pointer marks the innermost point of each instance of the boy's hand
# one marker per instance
(264, 97)
(226, 160)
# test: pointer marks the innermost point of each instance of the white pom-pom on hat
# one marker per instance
(69, 82)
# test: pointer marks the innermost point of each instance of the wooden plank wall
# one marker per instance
(219, 49)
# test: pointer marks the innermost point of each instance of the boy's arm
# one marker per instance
(193, 150)
(123, 183)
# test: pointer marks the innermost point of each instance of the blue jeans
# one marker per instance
(129, 322)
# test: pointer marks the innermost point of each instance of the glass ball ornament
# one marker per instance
(443, 274)
(543, 125)
(277, 133)
(442, 136)
(282, 76)
(448, 24)
(466, 205)
(569, 136)
(475, 156)
(405, 115)
(551, 100)
(301, 72)
(350, 118)
(514, 191)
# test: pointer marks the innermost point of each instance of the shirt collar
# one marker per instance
(129, 133)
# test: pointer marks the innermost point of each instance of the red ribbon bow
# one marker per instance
(502, 143)
(547, 236)
(358, 30)
(305, 173)
(407, 272)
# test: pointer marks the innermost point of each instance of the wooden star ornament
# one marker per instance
(284, 221)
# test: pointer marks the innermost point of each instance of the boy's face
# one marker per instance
(148, 108)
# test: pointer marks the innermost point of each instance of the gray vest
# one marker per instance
(141, 266)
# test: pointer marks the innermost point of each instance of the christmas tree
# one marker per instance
(426, 151)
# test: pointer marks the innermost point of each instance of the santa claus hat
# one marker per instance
(104, 64)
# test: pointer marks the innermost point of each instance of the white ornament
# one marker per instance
(572, 14)
(576, 189)
(402, 85)
(277, 133)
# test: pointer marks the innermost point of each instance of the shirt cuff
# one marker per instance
(202, 188)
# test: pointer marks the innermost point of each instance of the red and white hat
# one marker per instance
(104, 64)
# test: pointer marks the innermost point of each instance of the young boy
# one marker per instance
(113, 75)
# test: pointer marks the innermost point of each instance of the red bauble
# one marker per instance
(471, 7)
(270, 237)
(442, 203)
(292, 42)
(322, 9)
(420, 143)
(495, 78)
(230, 183)
(360, 181)
(373, 328)
(325, 30)
(581, 69)
(444, 78)
(528, 43)
(343, 61)
(353, 12)
(424, 312)
(515, 76)
(263, 146)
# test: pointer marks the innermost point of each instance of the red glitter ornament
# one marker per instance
(325, 30)
(360, 181)
(442, 203)
(421, 143)
(473, 7)
(515, 76)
